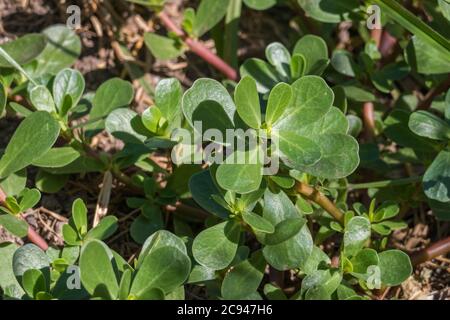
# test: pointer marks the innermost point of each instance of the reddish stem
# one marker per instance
(387, 44)
(33, 236)
(199, 49)
(369, 120)
(437, 249)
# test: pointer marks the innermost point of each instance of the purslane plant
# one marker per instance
(251, 223)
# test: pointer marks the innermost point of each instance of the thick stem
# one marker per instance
(437, 249)
(33, 236)
(369, 120)
(317, 197)
(199, 49)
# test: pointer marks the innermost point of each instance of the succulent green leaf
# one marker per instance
(33, 281)
(209, 13)
(163, 48)
(357, 233)
(111, 95)
(67, 82)
(265, 74)
(260, 4)
(105, 228)
(249, 172)
(62, 50)
(14, 225)
(42, 99)
(247, 102)
(23, 49)
(57, 157)
(165, 268)
(208, 90)
(279, 100)
(257, 222)
(428, 125)
(202, 188)
(216, 247)
(33, 138)
(436, 181)
(395, 267)
(315, 51)
(29, 198)
(244, 278)
(168, 95)
(29, 257)
(329, 11)
(96, 269)
(280, 58)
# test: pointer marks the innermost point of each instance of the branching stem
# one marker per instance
(316, 196)
(199, 48)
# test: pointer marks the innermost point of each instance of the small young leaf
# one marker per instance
(342, 62)
(168, 94)
(29, 198)
(150, 118)
(315, 51)
(70, 235)
(279, 99)
(42, 99)
(357, 232)
(247, 102)
(207, 90)
(202, 188)
(298, 66)
(33, 281)
(67, 82)
(257, 222)
(265, 75)
(249, 173)
(364, 259)
(125, 124)
(106, 228)
(79, 216)
(112, 94)
(280, 58)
